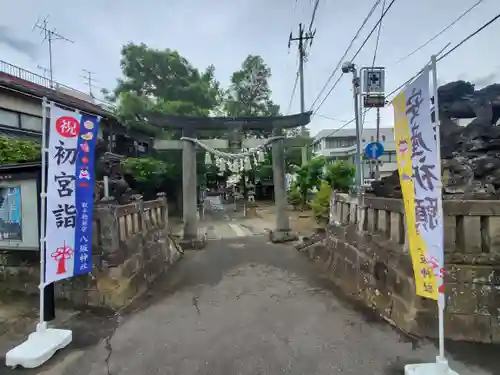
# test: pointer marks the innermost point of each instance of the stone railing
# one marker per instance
(131, 247)
(374, 265)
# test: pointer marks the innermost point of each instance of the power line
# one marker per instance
(490, 22)
(376, 49)
(377, 136)
(357, 53)
(330, 118)
(293, 92)
(494, 19)
(377, 2)
(439, 33)
(378, 34)
(49, 35)
(313, 17)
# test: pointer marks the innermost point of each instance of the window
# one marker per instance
(29, 122)
(8, 118)
(339, 142)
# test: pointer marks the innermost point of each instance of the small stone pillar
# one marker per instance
(282, 232)
(109, 232)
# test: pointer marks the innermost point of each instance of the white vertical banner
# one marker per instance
(426, 175)
(69, 192)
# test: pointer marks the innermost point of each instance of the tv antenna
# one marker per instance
(44, 70)
(49, 35)
(89, 78)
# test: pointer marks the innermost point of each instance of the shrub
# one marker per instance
(18, 151)
(294, 197)
(321, 203)
(340, 175)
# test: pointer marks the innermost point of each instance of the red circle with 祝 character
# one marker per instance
(68, 127)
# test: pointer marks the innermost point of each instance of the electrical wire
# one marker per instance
(345, 53)
(330, 118)
(293, 92)
(313, 17)
(310, 31)
(378, 34)
(294, 89)
(375, 53)
(458, 45)
(356, 54)
(439, 33)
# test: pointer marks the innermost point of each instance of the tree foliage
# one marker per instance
(340, 175)
(249, 93)
(321, 203)
(294, 197)
(18, 151)
(309, 176)
(161, 81)
(145, 169)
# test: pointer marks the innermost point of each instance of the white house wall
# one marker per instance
(22, 104)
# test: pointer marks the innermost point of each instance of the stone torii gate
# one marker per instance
(190, 125)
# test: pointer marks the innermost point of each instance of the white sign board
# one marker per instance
(373, 81)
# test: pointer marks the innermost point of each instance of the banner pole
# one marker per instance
(440, 281)
(43, 195)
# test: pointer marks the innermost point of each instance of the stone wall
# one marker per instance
(131, 247)
(374, 266)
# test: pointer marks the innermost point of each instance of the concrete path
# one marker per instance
(244, 306)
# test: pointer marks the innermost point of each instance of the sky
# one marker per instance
(224, 32)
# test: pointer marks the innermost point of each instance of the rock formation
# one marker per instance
(470, 154)
(108, 164)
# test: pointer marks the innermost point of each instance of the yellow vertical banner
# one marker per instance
(425, 280)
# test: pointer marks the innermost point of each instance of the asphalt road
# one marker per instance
(244, 306)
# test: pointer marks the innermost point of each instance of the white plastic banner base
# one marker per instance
(40, 346)
(440, 367)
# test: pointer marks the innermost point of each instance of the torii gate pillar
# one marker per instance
(282, 232)
(189, 184)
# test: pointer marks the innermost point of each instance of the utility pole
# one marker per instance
(89, 80)
(349, 67)
(302, 38)
(377, 166)
(49, 35)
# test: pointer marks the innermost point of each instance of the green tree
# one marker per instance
(161, 81)
(18, 151)
(249, 93)
(321, 203)
(309, 176)
(340, 175)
